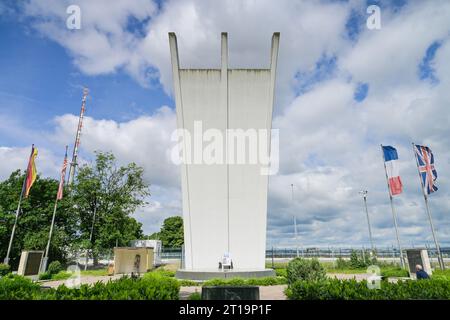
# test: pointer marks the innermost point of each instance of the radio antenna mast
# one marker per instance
(74, 163)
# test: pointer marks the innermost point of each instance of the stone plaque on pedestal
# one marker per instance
(30, 263)
(415, 257)
(230, 293)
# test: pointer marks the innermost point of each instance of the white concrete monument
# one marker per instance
(224, 203)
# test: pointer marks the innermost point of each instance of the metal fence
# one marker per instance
(287, 253)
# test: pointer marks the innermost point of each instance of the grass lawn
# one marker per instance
(95, 272)
(441, 274)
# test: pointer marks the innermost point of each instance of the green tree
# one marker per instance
(114, 193)
(171, 234)
(34, 220)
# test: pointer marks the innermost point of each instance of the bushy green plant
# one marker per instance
(4, 269)
(62, 275)
(305, 269)
(163, 272)
(45, 276)
(54, 267)
(342, 264)
(188, 283)
(334, 289)
(14, 287)
(394, 272)
(441, 274)
(265, 281)
(281, 272)
(150, 287)
(195, 296)
(355, 261)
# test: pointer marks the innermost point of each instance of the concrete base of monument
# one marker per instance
(201, 275)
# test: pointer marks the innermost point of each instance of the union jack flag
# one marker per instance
(61, 180)
(425, 163)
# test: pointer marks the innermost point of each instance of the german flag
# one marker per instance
(31, 171)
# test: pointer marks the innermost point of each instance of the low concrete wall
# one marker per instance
(207, 275)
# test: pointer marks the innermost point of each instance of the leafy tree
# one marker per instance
(113, 193)
(171, 234)
(34, 219)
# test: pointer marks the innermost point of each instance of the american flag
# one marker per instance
(425, 163)
(61, 180)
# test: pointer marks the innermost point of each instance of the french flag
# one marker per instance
(390, 161)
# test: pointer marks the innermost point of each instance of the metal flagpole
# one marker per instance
(295, 222)
(440, 259)
(364, 194)
(47, 249)
(6, 260)
(92, 232)
(394, 215)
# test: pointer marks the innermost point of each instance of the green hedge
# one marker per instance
(265, 281)
(334, 289)
(13, 287)
(150, 287)
(4, 269)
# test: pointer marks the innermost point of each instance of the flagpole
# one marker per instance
(364, 194)
(295, 222)
(440, 259)
(61, 185)
(92, 233)
(47, 249)
(6, 260)
(394, 215)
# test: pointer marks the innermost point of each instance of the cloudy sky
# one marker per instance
(341, 91)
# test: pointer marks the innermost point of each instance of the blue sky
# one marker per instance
(341, 91)
(39, 81)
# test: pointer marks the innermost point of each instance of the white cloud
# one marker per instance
(13, 158)
(144, 140)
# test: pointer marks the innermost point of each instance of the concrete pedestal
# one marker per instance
(201, 275)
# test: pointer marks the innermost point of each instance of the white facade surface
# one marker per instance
(224, 205)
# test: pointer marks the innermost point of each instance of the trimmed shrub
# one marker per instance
(195, 296)
(281, 272)
(394, 272)
(4, 269)
(265, 281)
(45, 276)
(14, 287)
(188, 283)
(165, 273)
(152, 287)
(305, 269)
(54, 267)
(334, 289)
(62, 275)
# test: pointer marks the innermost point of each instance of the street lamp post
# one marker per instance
(364, 194)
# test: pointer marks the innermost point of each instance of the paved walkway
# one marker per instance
(83, 280)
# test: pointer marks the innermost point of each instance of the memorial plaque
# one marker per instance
(415, 257)
(30, 263)
(230, 293)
